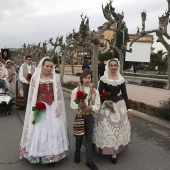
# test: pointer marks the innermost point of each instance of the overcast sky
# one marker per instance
(34, 21)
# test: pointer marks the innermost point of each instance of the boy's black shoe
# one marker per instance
(91, 165)
(77, 159)
(114, 160)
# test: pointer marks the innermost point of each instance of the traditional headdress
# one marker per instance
(106, 72)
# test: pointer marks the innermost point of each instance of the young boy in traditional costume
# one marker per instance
(85, 100)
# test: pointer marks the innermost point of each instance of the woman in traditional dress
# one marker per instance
(112, 129)
(45, 140)
(4, 75)
(11, 78)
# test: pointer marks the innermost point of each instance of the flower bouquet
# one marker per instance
(38, 108)
(80, 97)
(29, 76)
(78, 125)
(106, 96)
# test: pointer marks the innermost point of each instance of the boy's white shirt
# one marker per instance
(96, 105)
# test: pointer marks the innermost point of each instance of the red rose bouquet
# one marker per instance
(80, 97)
(29, 76)
(106, 96)
(38, 108)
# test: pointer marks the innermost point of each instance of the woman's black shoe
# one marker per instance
(51, 165)
(77, 159)
(114, 160)
(91, 165)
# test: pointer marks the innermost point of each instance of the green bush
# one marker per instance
(157, 84)
(162, 76)
(70, 85)
(164, 109)
(133, 82)
(78, 74)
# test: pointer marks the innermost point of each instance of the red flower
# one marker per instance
(29, 76)
(105, 93)
(40, 106)
(80, 95)
(135, 104)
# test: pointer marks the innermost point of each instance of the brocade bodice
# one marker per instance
(45, 91)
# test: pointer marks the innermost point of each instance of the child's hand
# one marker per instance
(82, 104)
(88, 108)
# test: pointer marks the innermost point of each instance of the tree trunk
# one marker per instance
(168, 57)
(63, 65)
(121, 59)
(71, 62)
(94, 65)
(58, 62)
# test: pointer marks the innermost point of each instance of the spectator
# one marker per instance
(85, 66)
(101, 69)
(25, 73)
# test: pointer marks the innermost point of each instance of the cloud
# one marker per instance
(34, 21)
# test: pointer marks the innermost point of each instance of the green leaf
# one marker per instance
(84, 97)
(34, 108)
(37, 115)
(77, 101)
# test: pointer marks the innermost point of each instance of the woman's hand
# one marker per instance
(58, 110)
(129, 114)
(108, 104)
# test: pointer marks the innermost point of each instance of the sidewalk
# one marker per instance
(148, 95)
(151, 96)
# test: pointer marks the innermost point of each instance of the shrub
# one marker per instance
(142, 107)
(157, 84)
(164, 109)
(70, 84)
(133, 82)
(78, 74)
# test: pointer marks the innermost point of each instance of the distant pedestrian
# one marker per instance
(11, 78)
(134, 69)
(25, 73)
(101, 69)
(85, 66)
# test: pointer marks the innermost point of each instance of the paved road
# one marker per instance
(148, 150)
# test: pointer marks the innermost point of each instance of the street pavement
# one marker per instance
(148, 150)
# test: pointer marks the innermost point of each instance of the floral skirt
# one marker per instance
(47, 145)
(112, 131)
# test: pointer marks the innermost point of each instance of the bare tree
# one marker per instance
(91, 39)
(161, 33)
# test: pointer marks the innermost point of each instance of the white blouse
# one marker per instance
(96, 105)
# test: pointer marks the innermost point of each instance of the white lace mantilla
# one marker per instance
(120, 80)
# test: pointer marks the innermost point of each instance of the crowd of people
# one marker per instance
(102, 115)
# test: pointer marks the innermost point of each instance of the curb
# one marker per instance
(152, 119)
